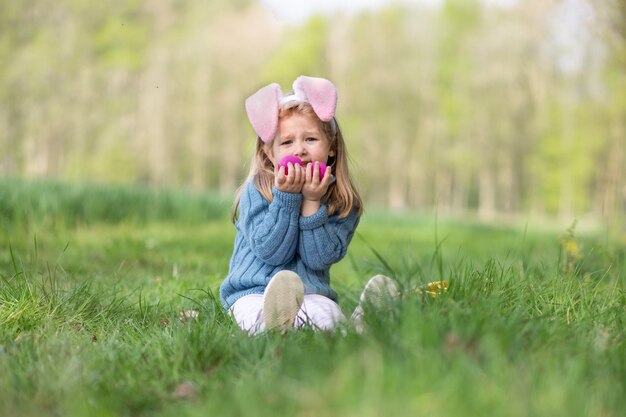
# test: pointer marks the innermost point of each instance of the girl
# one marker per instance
(293, 224)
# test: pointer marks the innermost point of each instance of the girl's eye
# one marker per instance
(311, 139)
(287, 142)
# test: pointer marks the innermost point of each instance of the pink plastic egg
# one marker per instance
(322, 169)
(289, 158)
(295, 160)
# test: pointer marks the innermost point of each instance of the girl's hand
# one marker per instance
(314, 188)
(291, 182)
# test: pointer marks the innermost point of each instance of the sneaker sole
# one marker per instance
(282, 301)
(379, 291)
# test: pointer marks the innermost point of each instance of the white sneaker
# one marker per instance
(282, 300)
(378, 293)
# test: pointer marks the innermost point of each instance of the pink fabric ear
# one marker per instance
(262, 109)
(320, 93)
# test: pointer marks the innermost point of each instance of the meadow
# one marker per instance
(93, 280)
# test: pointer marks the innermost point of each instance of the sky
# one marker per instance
(298, 11)
(570, 33)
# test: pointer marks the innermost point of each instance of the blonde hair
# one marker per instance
(341, 198)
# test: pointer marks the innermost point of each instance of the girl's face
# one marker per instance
(302, 136)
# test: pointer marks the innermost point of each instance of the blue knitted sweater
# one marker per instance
(273, 236)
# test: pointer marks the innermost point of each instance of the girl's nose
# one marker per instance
(299, 149)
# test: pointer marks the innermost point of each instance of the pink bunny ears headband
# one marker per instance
(262, 107)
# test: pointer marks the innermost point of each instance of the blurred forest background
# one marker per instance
(469, 107)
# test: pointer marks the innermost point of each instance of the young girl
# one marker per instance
(293, 223)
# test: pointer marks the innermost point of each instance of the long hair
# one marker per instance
(341, 197)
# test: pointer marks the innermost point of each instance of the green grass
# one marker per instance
(532, 324)
(55, 203)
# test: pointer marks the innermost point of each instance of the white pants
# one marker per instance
(317, 311)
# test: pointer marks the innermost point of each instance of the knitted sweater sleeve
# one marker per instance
(324, 240)
(271, 229)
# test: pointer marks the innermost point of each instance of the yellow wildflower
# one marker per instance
(433, 289)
